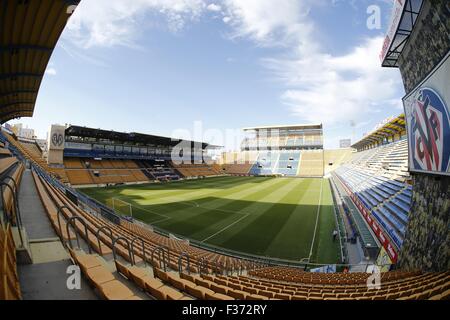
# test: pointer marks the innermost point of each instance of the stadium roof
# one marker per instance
(391, 127)
(29, 31)
(293, 126)
(404, 17)
(78, 131)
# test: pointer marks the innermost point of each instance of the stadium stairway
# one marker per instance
(44, 277)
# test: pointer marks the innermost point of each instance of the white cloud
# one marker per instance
(320, 87)
(50, 71)
(116, 22)
(269, 22)
(214, 7)
(337, 89)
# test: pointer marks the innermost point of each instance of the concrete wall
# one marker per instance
(55, 157)
(427, 241)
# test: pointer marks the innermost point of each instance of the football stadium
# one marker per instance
(98, 214)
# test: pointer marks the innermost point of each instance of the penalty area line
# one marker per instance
(227, 227)
(144, 209)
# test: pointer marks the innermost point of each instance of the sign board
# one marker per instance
(397, 13)
(325, 269)
(428, 122)
(56, 137)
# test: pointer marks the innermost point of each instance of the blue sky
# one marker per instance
(158, 66)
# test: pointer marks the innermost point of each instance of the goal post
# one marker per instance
(120, 206)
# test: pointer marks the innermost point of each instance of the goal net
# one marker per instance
(120, 206)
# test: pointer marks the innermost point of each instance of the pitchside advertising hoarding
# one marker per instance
(428, 122)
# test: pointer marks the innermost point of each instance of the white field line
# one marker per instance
(154, 212)
(159, 221)
(196, 205)
(227, 227)
(191, 203)
(317, 221)
(143, 209)
(188, 203)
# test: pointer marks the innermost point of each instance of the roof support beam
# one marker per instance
(15, 114)
(15, 93)
(16, 103)
(14, 48)
(19, 75)
(400, 127)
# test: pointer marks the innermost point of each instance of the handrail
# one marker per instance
(180, 263)
(18, 218)
(165, 254)
(97, 234)
(143, 250)
(16, 195)
(228, 268)
(69, 224)
(217, 269)
(128, 246)
(58, 214)
(202, 265)
(238, 267)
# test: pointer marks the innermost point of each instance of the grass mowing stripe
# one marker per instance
(214, 221)
(297, 230)
(326, 251)
(256, 232)
(270, 221)
(280, 220)
(230, 205)
(99, 194)
(206, 202)
(191, 195)
(146, 195)
(225, 228)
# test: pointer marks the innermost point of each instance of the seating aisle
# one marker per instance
(46, 278)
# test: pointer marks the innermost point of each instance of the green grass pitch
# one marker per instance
(273, 217)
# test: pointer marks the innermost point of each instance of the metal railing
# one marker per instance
(14, 218)
(97, 234)
(163, 257)
(186, 256)
(71, 223)
(114, 243)
(144, 255)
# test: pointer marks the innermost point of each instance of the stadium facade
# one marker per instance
(283, 150)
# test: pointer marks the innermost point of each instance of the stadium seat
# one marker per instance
(217, 296)
(115, 290)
